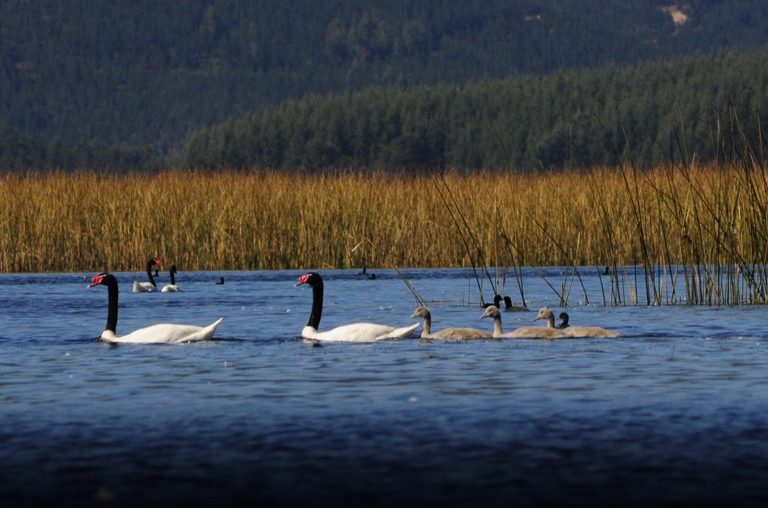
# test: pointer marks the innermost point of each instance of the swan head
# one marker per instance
(491, 312)
(312, 279)
(545, 313)
(154, 261)
(101, 279)
(507, 301)
(564, 318)
(421, 312)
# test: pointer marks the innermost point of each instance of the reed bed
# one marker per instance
(693, 233)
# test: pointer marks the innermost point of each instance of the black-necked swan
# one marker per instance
(147, 287)
(356, 332)
(584, 331)
(168, 333)
(509, 307)
(526, 332)
(446, 333)
(172, 287)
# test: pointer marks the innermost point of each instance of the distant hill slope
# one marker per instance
(708, 107)
(147, 72)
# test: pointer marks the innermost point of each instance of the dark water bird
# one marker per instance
(584, 331)
(496, 302)
(150, 285)
(220, 281)
(355, 332)
(170, 333)
(369, 276)
(509, 307)
(172, 287)
(446, 333)
(526, 332)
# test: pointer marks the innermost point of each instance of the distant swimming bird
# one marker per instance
(585, 331)
(220, 281)
(496, 302)
(508, 307)
(369, 276)
(171, 333)
(355, 332)
(172, 287)
(148, 287)
(526, 332)
(446, 333)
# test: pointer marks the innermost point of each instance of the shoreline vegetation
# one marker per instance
(702, 230)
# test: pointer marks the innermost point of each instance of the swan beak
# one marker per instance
(303, 279)
(486, 313)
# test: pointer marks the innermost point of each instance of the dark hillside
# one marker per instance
(706, 107)
(148, 72)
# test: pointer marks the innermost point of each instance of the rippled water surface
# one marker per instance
(675, 412)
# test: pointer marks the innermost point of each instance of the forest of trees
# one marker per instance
(85, 82)
(703, 107)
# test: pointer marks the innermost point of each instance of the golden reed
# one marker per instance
(88, 221)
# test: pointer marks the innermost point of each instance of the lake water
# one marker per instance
(673, 413)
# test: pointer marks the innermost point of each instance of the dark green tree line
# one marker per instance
(642, 114)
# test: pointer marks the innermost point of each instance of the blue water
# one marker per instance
(673, 413)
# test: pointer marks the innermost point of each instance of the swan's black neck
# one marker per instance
(172, 271)
(317, 304)
(150, 264)
(112, 309)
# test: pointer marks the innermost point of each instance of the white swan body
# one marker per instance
(446, 333)
(165, 333)
(585, 331)
(143, 287)
(168, 333)
(150, 285)
(527, 332)
(355, 332)
(358, 332)
(172, 287)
